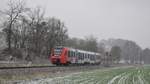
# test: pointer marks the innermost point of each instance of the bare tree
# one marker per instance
(12, 14)
(146, 56)
(89, 43)
(56, 34)
(116, 53)
(29, 32)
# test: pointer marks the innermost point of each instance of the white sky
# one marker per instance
(126, 19)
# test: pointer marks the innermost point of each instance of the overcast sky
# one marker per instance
(126, 19)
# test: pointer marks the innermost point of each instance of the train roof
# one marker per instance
(79, 50)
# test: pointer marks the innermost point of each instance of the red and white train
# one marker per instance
(65, 55)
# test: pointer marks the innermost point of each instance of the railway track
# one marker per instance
(47, 66)
(42, 69)
(25, 67)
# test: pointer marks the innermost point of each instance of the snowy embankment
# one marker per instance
(132, 75)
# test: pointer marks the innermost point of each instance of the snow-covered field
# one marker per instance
(128, 75)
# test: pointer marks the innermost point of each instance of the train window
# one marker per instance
(94, 57)
(79, 56)
(86, 56)
(82, 56)
(71, 53)
(74, 54)
(68, 53)
(91, 57)
(57, 51)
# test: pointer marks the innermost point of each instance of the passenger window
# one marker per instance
(73, 54)
(83, 56)
(79, 56)
(68, 53)
(88, 56)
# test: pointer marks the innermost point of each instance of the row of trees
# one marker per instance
(29, 30)
(146, 56)
(130, 51)
(89, 43)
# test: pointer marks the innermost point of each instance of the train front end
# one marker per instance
(59, 56)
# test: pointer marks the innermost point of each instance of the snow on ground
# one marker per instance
(134, 75)
(116, 77)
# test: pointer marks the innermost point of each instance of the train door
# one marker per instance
(64, 56)
(72, 56)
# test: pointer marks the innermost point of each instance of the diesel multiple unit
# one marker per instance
(65, 55)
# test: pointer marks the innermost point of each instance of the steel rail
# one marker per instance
(21, 67)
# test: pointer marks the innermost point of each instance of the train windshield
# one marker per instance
(57, 51)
